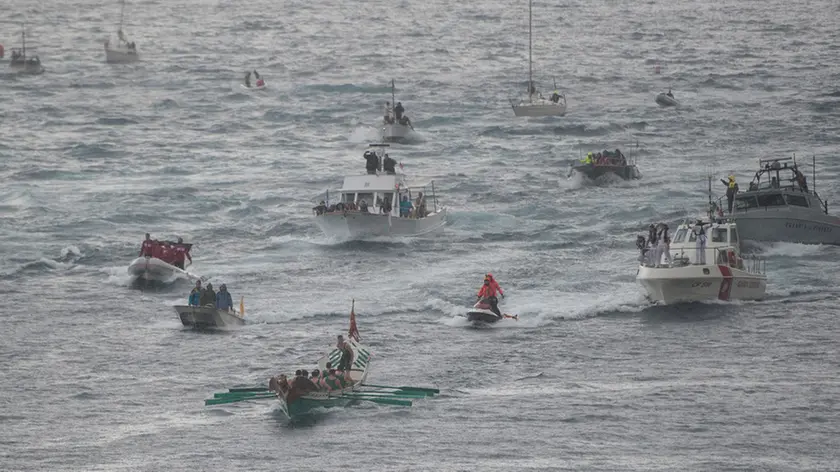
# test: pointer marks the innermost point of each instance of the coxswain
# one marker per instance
(488, 293)
(248, 79)
(148, 247)
(346, 353)
(182, 253)
(495, 285)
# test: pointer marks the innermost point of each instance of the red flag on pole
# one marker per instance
(354, 331)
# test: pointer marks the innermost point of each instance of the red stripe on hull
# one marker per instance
(726, 283)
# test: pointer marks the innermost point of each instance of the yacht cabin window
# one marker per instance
(719, 235)
(771, 199)
(692, 236)
(796, 200)
(367, 197)
(680, 236)
(744, 203)
(734, 236)
(347, 197)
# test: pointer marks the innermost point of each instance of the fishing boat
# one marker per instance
(24, 64)
(209, 316)
(696, 272)
(666, 100)
(300, 398)
(779, 206)
(122, 51)
(395, 129)
(536, 105)
(594, 166)
(369, 205)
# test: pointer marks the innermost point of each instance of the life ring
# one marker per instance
(730, 254)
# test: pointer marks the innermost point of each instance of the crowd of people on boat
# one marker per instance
(207, 297)
(396, 114)
(259, 83)
(19, 58)
(657, 244)
(330, 379)
(487, 294)
(605, 158)
(175, 253)
(382, 207)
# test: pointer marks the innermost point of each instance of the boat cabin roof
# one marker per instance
(719, 233)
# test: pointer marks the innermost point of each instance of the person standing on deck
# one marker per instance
(731, 190)
(700, 254)
(148, 247)
(223, 299)
(346, 354)
(388, 118)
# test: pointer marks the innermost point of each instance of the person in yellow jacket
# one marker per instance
(588, 159)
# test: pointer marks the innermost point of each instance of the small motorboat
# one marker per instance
(208, 316)
(597, 165)
(666, 100)
(394, 129)
(24, 64)
(153, 269)
(480, 313)
(726, 276)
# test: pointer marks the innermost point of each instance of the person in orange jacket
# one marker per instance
(495, 284)
(488, 293)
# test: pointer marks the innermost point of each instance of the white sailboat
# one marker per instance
(20, 63)
(537, 105)
(123, 51)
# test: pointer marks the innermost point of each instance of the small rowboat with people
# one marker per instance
(339, 380)
(161, 261)
(210, 315)
(596, 165)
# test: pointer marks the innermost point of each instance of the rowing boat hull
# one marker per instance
(206, 317)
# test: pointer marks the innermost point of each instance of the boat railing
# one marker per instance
(746, 262)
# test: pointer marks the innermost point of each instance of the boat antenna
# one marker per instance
(23, 38)
(393, 95)
(711, 212)
(530, 67)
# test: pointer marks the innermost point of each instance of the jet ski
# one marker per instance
(481, 313)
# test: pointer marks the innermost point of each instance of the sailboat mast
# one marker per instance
(23, 37)
(122, 10)
(530, 41)
(393, 95)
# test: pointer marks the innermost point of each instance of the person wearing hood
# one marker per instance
(398, 111)
(223, 299)
(208, 296)
(389, 164)
(195, 294)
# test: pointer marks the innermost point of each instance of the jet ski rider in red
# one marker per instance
(488, 293)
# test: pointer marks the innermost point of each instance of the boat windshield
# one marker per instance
(367, 197)
(744, 203)
(771, 199)
(680, 236)
(719, 235)
(796, 200)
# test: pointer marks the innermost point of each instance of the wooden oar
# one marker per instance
(248, 389)
(234, 399)
(429, 391)
(383, 401)
(399, 394)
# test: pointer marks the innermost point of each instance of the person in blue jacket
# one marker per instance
(223, 299)
(195, 294)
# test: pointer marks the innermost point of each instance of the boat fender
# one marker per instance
(731, 256)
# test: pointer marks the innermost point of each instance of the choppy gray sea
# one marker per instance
(100, 375)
